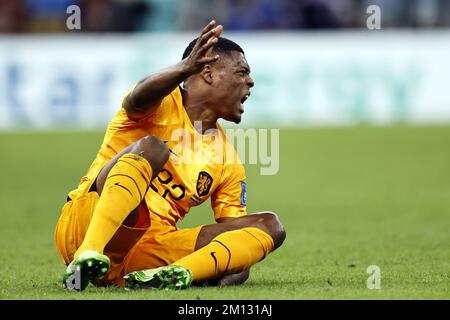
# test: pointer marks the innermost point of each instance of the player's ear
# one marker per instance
(206, 74)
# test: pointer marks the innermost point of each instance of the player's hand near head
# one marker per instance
(148, 93)
(201, 54)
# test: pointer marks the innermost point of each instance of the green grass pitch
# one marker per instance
(349, 198)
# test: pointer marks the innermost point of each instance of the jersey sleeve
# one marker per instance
(229, 198)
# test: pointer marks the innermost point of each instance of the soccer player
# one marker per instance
(119, 226)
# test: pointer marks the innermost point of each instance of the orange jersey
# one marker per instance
(182, 183)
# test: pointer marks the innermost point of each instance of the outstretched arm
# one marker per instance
(149, 92)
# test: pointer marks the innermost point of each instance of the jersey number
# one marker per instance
(165, 177)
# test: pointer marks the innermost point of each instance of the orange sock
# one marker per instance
(228, 253)
(124, 189)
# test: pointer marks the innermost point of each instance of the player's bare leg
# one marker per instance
(122, 185)
(266, 221)
(224, 253)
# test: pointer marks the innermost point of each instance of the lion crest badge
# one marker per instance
(204, 183)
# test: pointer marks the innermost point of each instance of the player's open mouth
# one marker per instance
(245, 97)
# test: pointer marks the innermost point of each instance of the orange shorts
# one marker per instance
(130, 249)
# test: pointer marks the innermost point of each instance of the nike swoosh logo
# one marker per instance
(215, 261)
(119, 185)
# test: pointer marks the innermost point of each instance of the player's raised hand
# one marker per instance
(146, 97)
(201, 53)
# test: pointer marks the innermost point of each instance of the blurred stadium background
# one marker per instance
(314, 62)
(364, 127)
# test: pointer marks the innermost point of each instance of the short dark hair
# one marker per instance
(223, 45)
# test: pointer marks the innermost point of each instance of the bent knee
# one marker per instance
(154, 150)
(269, 222)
